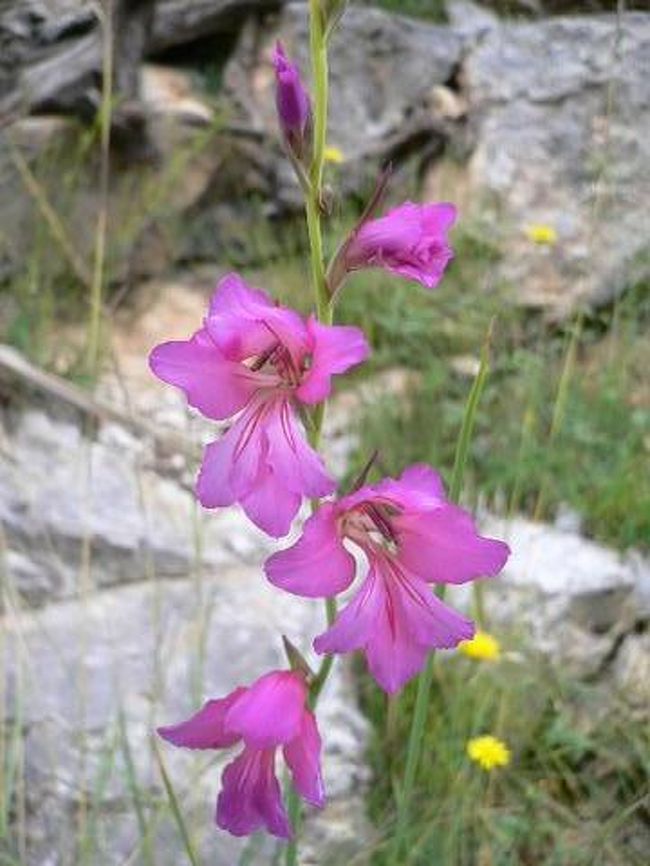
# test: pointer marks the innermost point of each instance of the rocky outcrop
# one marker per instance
(88, 681)
(562, 114)
(522, 124)
(578, 602)
(51, 52)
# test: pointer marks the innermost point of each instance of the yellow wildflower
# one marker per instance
(482, 646)
(542, 234)
(333, 154)
(488, 752)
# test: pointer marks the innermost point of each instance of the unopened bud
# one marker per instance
(293, 105)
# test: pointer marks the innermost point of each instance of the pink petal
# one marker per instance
(291, 457)
(443, 546)
(269, 505)
(270, 713)
(215, 386)
(302, 755)
(265, 463)
(396, 620)
(244, 322)
(205, 729)
(317, 565)
(353, 626)
(232, 464)
(418, 487)
(334, 350)
(425, 480)
(250, 798)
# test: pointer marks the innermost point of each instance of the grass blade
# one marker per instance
(173, 803)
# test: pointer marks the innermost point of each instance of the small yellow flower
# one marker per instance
(333, 154)
(482, 646)
(488, 752)
(542, 234)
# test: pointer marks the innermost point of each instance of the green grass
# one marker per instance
(595, 460)
(574, 794)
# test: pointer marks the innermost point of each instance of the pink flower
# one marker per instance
(410, 241)
(292, 101)
(260, 362)
(411, 536)
(271, 713)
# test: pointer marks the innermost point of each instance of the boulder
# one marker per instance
(389, 78)
(562, 117)
(51, 50)
(538, 130)
(89, 680)
(571, 598)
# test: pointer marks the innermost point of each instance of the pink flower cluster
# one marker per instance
(264, 367)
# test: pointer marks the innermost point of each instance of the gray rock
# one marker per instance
(568, 596)
(562, 109)
(51, 50)
(88, 681)
(632, 671)
(384, 72)
(537, 8)
(81, 514)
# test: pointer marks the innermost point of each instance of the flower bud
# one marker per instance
(292, 101)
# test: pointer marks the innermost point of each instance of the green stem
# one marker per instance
(324, 312)
(418, 724)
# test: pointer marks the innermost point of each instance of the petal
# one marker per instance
(250, 798)
(205, 729)
(418, 487)
(291, 457)
(415, 621)
(439, 217)
(422, 478)
(269, 504)
(212, 384)
(270, 713)
(245, 322)
(317, 565)
(396, 619)
(354, 624)
(443, 546)
(334, 350)
(302, 755)
(232, 464)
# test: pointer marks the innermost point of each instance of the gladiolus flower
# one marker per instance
(482, 647)
(411, 241)
(488, 752)
(260, 362)
(292, 101)
(269, 714)
(411, 536)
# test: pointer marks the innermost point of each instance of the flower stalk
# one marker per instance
(325, 314)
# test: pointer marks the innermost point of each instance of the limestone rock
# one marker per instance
(632, 671)
(384, 105)
(81, 514)
(570, 597)
(562, 113)
(95, 677)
